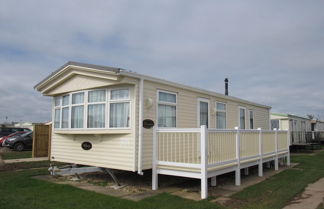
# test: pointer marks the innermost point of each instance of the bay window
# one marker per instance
(92, 109)
(167, 102)
(220, 115)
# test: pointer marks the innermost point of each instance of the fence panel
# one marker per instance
(221, 146)
(268, 142)
(41, 140)
(179, 147)
(249, 143)
(282, 140)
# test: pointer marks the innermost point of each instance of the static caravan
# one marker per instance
(113, 118)
(317, 130)
(299, 127)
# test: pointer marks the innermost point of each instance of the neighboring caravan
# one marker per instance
(112, 118)
(299, 127)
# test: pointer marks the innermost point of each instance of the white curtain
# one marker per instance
(119, 115)
(221, 120)
(57, 118)
(166, 97)
(119, 94)
(65, 117)
(97, 96)
(166, 115)
(203, 113)
(96, 116)
(77, 98)
(77, 117)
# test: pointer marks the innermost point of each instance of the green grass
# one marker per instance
(18, 190)
(278, 190)
(17, 155)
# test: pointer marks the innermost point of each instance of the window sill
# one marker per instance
(94, 132)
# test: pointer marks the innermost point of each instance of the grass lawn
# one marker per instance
(18, 190)
(17, 155)
(279, 189)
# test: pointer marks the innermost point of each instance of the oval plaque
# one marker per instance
(86, 145)
(148, 123)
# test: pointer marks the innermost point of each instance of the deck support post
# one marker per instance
(154, 161)
(238, 156)
(276, 148)
(246, 171)
(260, 165)
(204, 160)
(213, 181)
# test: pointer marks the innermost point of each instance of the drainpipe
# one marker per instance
(140, 128)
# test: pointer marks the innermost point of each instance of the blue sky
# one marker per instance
(272, 51)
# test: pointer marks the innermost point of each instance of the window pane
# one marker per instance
(166, 116)
(221, 106)
(242, 118)
(77, 98)
(57, 118)
(65, 117)
(120, 94)
(274, 124)
(251, 120)
(77, 117)
(203, 113)
(119, 115)
(57, 101)
(65, 100)
(97, 96)
(221, 120)
(96, 116)
(167, 97)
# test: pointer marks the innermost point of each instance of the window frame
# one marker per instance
(239, 117)
(85, 105)
(166, 103)
(198, 111)
(217, 102)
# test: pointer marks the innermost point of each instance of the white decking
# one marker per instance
(206, 153)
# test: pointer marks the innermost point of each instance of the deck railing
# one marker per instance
(202, 149)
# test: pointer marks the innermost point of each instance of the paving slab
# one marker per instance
(35, 159)
(311, 198)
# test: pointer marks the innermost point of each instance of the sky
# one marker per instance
(271, 51)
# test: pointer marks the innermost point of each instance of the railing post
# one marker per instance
(288, 147)
(260, 166)
(276, 149)
(204, 161)
(238, 156)
(155, 160)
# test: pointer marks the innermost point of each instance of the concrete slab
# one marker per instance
(26, 160)
(311, 198)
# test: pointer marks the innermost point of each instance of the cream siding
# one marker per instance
(187, 111)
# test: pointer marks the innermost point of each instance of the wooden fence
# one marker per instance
(41, 140)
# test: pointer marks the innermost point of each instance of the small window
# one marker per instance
(65, 117)
(65, 100)
(203, 112)
(220, 115)
(57, 118)
(119, 94)
(274, 124)
(167, 109)
(78, 98)
(57, 101)
(242, 118)
(251, 120)
(97, 96)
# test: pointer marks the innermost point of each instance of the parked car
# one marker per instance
(18, 133)
(5, 131)
(19, 143)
